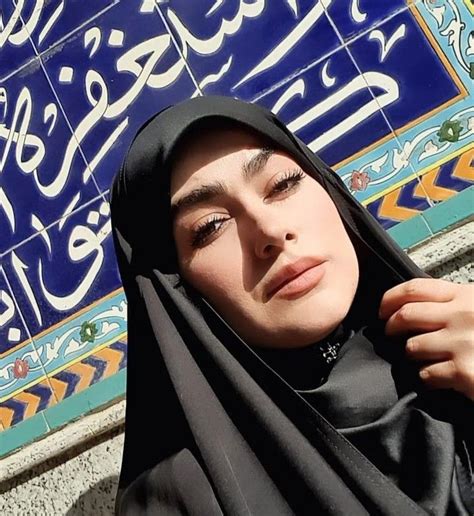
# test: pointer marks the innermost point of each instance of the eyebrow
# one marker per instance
(205, 193)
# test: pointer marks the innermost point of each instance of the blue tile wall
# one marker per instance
(383, 91)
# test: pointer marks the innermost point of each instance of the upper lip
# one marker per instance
(289, 272)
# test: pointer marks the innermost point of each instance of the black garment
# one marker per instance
(308, 367)
(212, 428)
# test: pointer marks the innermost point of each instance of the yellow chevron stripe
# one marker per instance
(389, 208)
(32, 403)
(85, 372)
(113, 359)
(48, 384)
(59, 388)
(464, 168)
(428, 187)
(6, 416)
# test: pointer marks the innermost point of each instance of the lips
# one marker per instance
(295, 278)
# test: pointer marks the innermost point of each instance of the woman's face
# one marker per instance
(261, 240)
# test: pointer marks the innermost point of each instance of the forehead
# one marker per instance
(204, 152)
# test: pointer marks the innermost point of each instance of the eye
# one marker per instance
(205, 230)
(288, 182)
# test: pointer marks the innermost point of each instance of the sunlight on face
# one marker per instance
(261, 240)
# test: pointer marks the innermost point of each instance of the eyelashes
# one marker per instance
(202, 233)
(291, 179)
(211, 227)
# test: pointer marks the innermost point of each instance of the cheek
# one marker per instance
(318, 213)
(215, 271)
(325, 227)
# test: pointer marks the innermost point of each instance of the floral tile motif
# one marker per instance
(63, 360)
(42, 170)
(240, 48)
(110, 78)
(24, 387)
(439, 183)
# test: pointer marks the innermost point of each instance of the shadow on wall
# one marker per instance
(98, 500)
(81, 481)
(458, 269)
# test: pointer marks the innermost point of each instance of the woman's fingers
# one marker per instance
(430, 346)
(417, 317)
(414, 291)
(448, 375)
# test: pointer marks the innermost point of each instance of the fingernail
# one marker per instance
(424, 374)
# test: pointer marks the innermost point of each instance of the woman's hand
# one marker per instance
(439, 316)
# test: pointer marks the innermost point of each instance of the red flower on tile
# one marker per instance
(359, 180)
(20, 368)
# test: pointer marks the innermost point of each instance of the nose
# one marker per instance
(271, 237)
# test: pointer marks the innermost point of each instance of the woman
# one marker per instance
(260, 378)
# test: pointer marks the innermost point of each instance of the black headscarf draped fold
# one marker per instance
(212, 427)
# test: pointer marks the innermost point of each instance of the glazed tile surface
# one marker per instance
(382, 91)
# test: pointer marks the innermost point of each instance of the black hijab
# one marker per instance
(213, 427)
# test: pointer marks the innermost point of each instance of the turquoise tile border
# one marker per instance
(434, 219)
(23, 433)
(87, 400)
(410, 232)
(64, 412)
(451, 211)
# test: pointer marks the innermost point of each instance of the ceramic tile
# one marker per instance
(331, 109)
(451, 211)
(42, 172)
(400, 204)
(60, 274)
(90, 369)
(98, 395)
(388, 124)
(16, 48)
(12, 329)
(27, 392)
(409, 84)
(23, 433)
(112, 77)
(48, 22)
(438, 184)
(241, 48)
(357, 16)
(24, 387)
(444, 181)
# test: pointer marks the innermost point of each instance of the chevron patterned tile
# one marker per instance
(440, 183)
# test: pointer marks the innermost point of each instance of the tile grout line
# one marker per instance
(32, 342)
(57, 43)
(100, 195)
(53, 91)
(381, 110)
(178, 49)
(319, 60)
